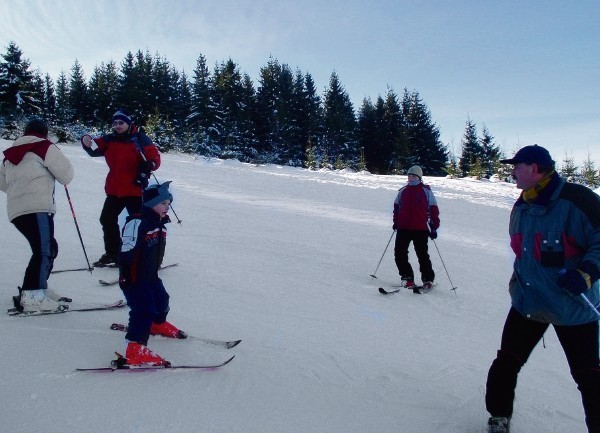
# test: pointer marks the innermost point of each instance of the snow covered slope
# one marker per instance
(280, 257)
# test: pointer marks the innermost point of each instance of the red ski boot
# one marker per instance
(138, 354)
(167, 330)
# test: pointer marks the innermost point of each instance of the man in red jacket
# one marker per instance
(416, 218)
(131, 157)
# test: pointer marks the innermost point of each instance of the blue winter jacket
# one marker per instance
(560, 230)
(144, 238)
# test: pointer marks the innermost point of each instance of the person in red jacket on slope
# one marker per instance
(416, 218)
(131, 157)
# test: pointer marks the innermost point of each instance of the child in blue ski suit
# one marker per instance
(143, 245)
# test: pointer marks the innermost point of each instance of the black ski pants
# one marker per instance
(519, 337)
(38, 229)
(109, 219)
(419, 238)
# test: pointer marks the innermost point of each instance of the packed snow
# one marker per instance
(281, 257)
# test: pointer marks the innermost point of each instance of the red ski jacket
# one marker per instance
(415, 207)
(123, 158)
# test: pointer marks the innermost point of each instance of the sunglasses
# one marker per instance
(119, 123)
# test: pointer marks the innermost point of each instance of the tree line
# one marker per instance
(220, 112)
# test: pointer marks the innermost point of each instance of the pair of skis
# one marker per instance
(120, 364)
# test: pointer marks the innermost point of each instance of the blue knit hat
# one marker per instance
(157, 193)
(122, 115)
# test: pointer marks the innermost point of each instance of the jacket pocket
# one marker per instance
(552, 250)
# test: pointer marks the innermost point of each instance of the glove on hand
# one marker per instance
(433, 234)
(574, 280)
(147, 167)
(394, 226)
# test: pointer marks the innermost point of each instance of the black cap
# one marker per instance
(531, 155)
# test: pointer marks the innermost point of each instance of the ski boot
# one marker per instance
(167, 330)
(498, 424)
(38, 300)
(139, 355)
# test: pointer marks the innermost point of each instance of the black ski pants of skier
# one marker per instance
(419, 238)
(109, 219)
(38, 229)
(519, 337)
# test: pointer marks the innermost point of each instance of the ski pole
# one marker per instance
(591, 305)
(444, 265)
(89, 268)
(384, 251)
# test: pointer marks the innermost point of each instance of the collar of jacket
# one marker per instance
(27, 143)
(542, 192)
(153, 216)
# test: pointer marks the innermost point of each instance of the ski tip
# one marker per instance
(373, 276)
(228, 361)
(232, 344)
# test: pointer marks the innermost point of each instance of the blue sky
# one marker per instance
(528, 70)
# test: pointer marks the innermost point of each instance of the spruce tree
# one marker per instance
(17, 97)
(423, 136)
(471, 148)
(568, 169)
(590, 177)
(78, 95)
(489, 152)
(340, 123)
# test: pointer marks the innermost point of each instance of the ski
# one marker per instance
(116, 281)
(388, 292)
(58, 271)
(118, 365)
(67, 309)
(418, 290)
(220, 343)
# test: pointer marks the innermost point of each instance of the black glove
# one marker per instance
(575, 281)
(394, 226)
(142, 179)
(433, 234)
(144, 172)
(147, 167)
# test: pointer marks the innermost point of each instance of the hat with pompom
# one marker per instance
(156, 194)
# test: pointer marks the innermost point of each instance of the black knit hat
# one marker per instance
(37, 127)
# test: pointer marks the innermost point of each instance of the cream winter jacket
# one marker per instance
(29, 185)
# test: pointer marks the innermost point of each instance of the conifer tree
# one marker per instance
(49, 101)
(63, 108)
(568, 169)
(471, 148)
(423, 137)
(202, 114)
(102, 93)
(589, 175)
(489, 152)
(78, 95)
(16, 93)
(340, 123)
